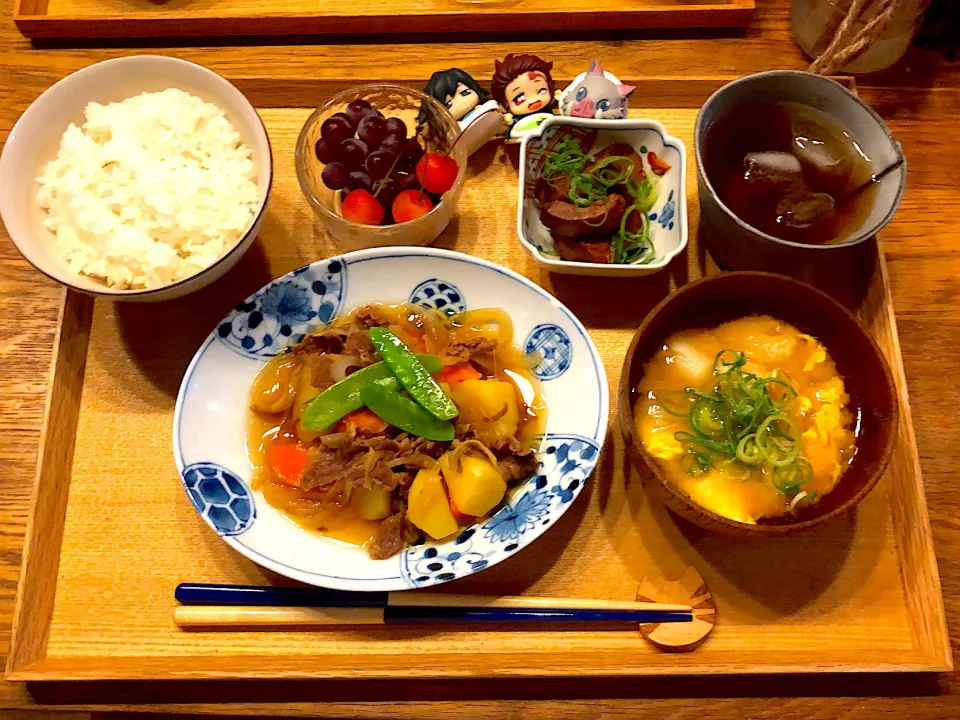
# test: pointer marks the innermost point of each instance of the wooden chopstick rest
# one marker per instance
(688, 588)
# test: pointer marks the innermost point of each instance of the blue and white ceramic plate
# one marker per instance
(212, 410)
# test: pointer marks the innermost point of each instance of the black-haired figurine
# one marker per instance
(479, 116)
(596, 94)
(523, 86)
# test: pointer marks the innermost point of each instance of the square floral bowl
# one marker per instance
(668, 216)
(212, 413)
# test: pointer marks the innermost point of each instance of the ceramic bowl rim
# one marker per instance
(255, 221)
(699, 132)
(625, 124)
(632, 438)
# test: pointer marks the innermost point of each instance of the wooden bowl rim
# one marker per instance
(630, 435)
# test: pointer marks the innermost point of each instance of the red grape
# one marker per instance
(395, 126)
(352, 153)
(346, 117)
(409, 205)
(372, 130)
(437, 173)
(406, 180)
(411, 149)
(362, 207)
(387, 191)
(378, 164)
(335, 130)
(323, 151)
(356, 110)
(334, 175)
(391, 144)
(359, 180)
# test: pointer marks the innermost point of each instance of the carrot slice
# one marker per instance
(287, 460)
(457, 515)
(363, 421)
(659, 166)
(458, 373)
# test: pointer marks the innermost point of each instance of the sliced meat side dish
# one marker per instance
(583, 249)
(555, 190)
(568, 220)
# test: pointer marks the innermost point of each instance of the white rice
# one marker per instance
(148, 191)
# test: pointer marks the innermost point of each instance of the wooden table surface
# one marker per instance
(919, 99)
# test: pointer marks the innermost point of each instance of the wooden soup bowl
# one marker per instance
(714, 300)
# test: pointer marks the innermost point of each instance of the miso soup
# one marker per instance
(784, 169)
(751, 418)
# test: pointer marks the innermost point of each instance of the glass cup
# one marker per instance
(439, 133)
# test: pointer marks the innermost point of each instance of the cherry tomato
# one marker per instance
(437, 173)
(411, 204)
(362, 207)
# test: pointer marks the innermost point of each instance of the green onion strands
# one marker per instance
(632, 247)
(567, 159)
(741, 426)
(644, 193)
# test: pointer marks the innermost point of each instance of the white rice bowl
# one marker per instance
(149, 191)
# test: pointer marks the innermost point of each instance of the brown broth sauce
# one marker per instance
(344, 523)
(779, 127)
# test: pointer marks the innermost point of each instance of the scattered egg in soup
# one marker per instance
(750, 419)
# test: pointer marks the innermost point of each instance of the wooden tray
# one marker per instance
(216, 18)
(101, 562)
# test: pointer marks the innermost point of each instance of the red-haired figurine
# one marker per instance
(523, 87)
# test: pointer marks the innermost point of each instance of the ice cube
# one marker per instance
(778, 169)
(823, 155)
(803, 209)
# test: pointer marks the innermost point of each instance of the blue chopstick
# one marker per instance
(397, 615)
(215, 594)
(389, 608)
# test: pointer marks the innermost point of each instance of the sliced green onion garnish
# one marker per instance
(742, 423)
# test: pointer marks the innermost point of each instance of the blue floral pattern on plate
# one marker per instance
(554, 348)
(286, 310)
(667, 213)
(221, 498)
(437, 294)
(566, 462)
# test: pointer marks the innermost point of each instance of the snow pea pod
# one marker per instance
(399, 410)
(413, 376)
(344, 397)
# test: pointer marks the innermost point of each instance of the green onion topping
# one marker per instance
(741, 424)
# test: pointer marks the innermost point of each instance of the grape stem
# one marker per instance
(386, 177)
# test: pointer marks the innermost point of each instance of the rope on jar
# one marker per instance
(846, 47)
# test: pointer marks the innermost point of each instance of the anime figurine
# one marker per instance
(595, 94)
(479, 116)
(523, 87)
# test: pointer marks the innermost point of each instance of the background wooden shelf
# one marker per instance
(48, 19)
